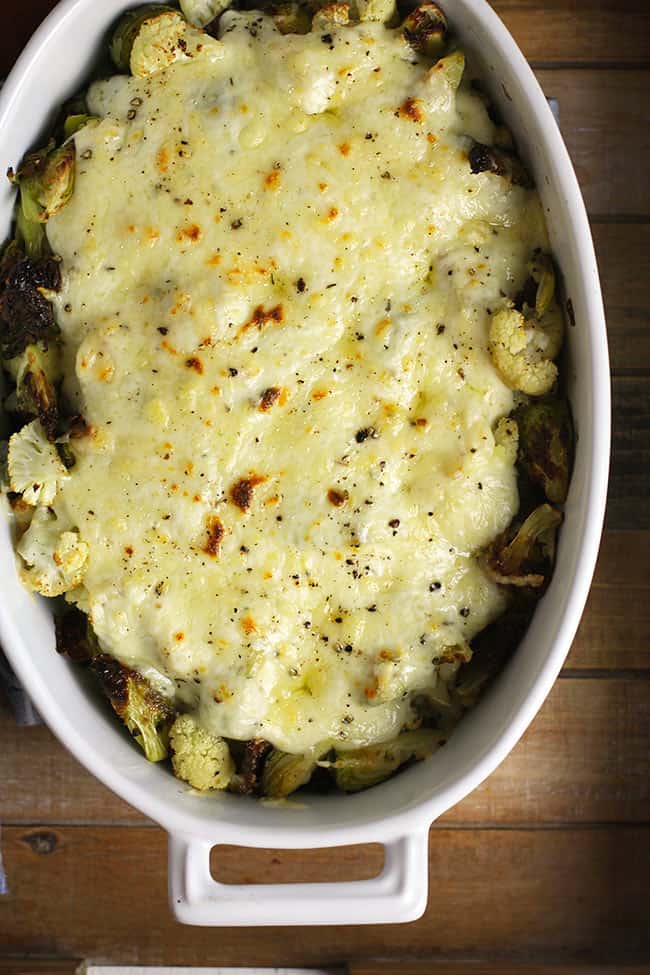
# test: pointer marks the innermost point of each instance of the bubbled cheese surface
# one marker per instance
(277, 275)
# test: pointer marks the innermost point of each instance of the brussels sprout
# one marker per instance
(46, 181)
(543, 274)
(144, 712)
(362, 768)
(26, 315)
(425, 29)
(545, 448)
(284, 773)
(128, 28)
(35, 372)
(491, 649)
(490, 159)
(527, 559)
(74, 123)
(75, 638)
(291, 18)
(247, 779)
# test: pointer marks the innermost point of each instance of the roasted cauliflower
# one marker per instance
(54, 561)
(198, 757)
(35, 468)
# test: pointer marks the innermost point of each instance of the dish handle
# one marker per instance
(397, 894)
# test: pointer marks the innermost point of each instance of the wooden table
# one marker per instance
(545, 867)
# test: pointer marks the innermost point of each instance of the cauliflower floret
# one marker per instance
(523, 350)
(198, 757)
(378, 10)
(166, 38)
(55, 561)
(506, 439)
(329, 16)
(35, 469)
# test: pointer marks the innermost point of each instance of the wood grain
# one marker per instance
(627, 505)
(615, 627)
(603, 121)
(435, 967)
(623, 251)
(574, 892)
(44, 966)
(585, 759)
(548, 31)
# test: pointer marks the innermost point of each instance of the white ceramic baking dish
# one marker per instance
(398, 813)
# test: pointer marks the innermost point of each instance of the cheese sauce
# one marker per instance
(278, 270)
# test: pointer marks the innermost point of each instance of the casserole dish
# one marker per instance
(53, 67)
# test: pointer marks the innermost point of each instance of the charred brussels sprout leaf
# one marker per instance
(545, 446)
(26, 315)
(425, 29)
(362, 768)
(527, 559)
(144, 712)
(75, 638)
(247, 780)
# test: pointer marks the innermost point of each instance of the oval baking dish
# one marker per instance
(398, 813)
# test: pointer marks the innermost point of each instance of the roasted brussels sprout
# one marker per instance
(35, 372)
(248, 778)
(144, 712)
(46, 180)
(284, 773)
(26, 315)
(425, 29)
(74, 123)
(545, 446)
(75, 637)
(361, 768)
(291, 18)
(490, 159)
(527, 558)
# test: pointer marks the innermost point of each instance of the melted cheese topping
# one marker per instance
(277, 275)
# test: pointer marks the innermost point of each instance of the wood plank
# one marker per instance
(623, 251)
(41, 966)
(628, 482)
(586, 31)
(546, 30)
(548, 893)
(585, 759)
(615, 627)
(434, 967)
(603, 121)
